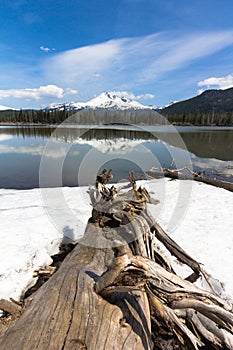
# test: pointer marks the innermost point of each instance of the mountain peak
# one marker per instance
(109, 100)
(114, 100)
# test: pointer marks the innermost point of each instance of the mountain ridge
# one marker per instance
(209, 101)
(212, 107)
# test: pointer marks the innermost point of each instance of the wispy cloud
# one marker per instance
(80, 65)
(182, 51)
(132, 62)
(37, 93)
(69, 91)
(220, 82)
(57, 150)
(132, 96)
(46, 49)
(132, 65)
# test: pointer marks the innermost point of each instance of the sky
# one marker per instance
(154, 51)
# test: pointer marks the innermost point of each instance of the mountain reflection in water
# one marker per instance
(122, 148)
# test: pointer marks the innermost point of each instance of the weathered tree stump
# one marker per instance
(115, 282)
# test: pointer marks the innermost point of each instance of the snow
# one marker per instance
(112, 100)
(4, 108)
(110, 146)
(34, 222)
(105, 100)
(204, 228)
(170, 104)
(68, 106)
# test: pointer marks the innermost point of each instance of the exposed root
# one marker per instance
(194, 316)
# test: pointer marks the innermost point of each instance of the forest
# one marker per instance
(101, 116)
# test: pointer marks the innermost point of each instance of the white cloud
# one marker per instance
(69, 91)
(4, 137)
(46, 49)
(132, 96)
(82, 64)
(56, 150)
(145, 97)
(221, 82)
(37, 93)
(181, 51)
(96, 75)
(6, 149)
(127, 64)
(130, 63)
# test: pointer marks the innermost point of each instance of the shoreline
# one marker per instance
(121, 124)
(26, 124)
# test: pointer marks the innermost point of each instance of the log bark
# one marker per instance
(66, 312)
(179, 175)
(9, 307)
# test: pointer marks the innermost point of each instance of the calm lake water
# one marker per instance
(71, 156)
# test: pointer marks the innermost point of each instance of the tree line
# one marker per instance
(32, 116)
(89, 116)
(106, 116)
(202, 119)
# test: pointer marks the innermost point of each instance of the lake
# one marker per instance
(46, 156)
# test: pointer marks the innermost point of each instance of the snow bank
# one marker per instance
(206, 230)
(198, 216)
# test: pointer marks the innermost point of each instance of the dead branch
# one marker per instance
(187, 174)
(166, 291)
(10, 307)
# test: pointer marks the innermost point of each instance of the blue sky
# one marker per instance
(154, 51)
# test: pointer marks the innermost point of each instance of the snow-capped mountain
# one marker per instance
(114, 101)
(110, 100)
(171, 103)
(68, 106)
(5, 108)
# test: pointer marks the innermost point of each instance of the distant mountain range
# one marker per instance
(210, 101)
(212, 107)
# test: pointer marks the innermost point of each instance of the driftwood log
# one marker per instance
(187, 174)
(115, 290)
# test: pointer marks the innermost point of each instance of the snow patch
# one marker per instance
(29, 237)
(5, 108)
